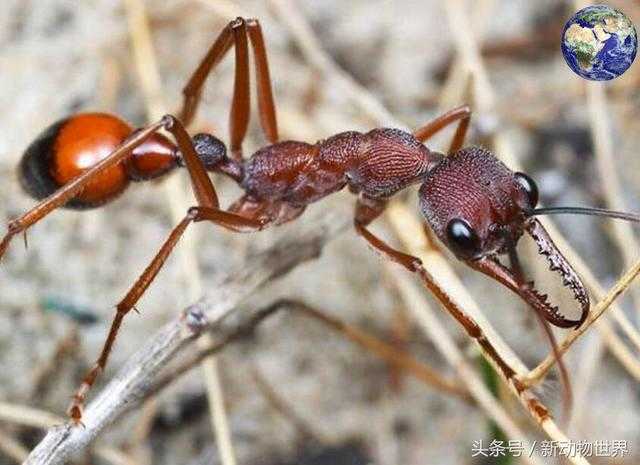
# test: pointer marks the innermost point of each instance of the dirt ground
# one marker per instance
(58, 57)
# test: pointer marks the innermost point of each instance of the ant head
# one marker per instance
(479, 209)
(475, 204)
(210, 150)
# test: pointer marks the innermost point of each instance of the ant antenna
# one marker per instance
(586, 211)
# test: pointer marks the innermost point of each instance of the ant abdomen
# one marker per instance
(72, 145)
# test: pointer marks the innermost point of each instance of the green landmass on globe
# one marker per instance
(599, 43)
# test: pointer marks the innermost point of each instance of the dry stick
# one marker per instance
(467, 48)
(374, 345)
(135, 378)
(178, 202)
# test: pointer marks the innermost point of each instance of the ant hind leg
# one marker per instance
(235, 34)
(207, 210)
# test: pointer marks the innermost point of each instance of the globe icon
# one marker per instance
(599, 43)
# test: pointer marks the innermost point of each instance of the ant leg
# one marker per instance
(201, 184)
(222, 218)
(72, 188)
(192, 91)
(207, 210)
(240, 105)
(367, 210)
(266, 105)
(461, 114)
(235, 33)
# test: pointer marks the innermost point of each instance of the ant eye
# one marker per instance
(529, 187)
(462, 239)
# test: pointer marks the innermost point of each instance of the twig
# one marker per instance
(135, 378)
(250, 319)
(28, 416)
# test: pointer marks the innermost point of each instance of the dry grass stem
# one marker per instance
(623, 283)
(415, 301)
(601, 133)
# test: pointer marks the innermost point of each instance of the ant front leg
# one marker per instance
(70, 190)
(207, 210)
(367, 210)
(236, 33)
(461, 114)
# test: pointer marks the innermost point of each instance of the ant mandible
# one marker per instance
(475, 205)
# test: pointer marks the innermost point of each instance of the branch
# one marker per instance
(243, 323)
(210, 313)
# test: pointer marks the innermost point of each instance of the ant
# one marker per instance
(474, 204)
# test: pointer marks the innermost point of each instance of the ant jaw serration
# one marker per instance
(570, 279)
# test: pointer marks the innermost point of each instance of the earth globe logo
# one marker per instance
(599, 43)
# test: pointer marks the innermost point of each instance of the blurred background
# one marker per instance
(580, 142)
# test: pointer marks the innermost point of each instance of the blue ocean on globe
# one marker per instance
(599, 43)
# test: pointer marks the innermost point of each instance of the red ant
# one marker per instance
(475, 205)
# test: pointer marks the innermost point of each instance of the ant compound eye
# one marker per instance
(529, 187)
(462, 239)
